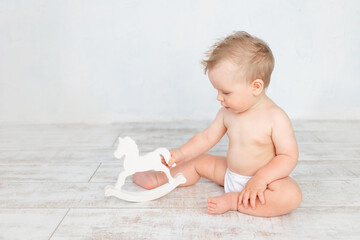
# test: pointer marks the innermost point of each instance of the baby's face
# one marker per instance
(234, 93)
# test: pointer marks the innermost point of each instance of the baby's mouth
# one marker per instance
(224, 106)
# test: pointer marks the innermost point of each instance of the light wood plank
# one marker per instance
(346, 136)
(85, 155)
(30, 156)
(326, 170)
(94, 137)
(68, 156)
(82, 195)
(325, 125)
(91, 195)
(32, 137)
(318, 223)
(54, 137)
(326, 151)
(29, 223)
(50, 172)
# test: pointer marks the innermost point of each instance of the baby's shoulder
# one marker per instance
(277, 115)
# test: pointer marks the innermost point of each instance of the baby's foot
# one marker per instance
(147, 180)
(223, 203)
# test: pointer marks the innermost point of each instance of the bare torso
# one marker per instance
(250, 143)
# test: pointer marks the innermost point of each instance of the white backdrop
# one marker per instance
(108, 61)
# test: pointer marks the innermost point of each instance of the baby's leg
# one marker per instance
(207, 166)
(281, 197)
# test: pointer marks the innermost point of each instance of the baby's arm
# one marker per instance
(202, 141)
(286, 150)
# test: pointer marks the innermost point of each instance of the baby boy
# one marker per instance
(262, 146)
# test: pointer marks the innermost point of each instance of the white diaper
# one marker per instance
(234, 182)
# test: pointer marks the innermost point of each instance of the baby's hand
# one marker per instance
(254, 188)
(176, 157)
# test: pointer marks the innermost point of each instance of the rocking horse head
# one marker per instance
(126, 146)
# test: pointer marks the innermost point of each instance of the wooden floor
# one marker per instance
(52, 180)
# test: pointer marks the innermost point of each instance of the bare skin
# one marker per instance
(262, 144)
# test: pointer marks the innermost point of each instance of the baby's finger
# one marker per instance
(240, 199)
(171, 162)
(261, 197)
(246, 199)
(253, 200)
(165, 164)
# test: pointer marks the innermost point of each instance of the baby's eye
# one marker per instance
(226, 93)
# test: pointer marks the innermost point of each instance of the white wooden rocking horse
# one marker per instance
(134, 163)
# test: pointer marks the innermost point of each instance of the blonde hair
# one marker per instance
(251, 54)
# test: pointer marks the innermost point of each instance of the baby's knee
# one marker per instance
(292, 196)
(289, 194)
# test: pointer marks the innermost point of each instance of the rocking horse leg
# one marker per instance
(121, 179)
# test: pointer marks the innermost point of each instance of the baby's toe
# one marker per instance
(211, 210)
(211, 206)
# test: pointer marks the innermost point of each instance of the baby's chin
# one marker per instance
(236, 111)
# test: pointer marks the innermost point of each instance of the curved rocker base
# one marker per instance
(147, 195)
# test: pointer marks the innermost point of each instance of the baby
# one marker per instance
(262, 146)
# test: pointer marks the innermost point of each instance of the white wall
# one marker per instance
(108, 61)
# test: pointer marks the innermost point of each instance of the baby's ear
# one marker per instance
(257, 86)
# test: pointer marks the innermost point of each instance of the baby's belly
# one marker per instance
(248, 160)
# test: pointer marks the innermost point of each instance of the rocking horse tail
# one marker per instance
(165, 153)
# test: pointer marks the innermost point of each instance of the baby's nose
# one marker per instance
(220, 98)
